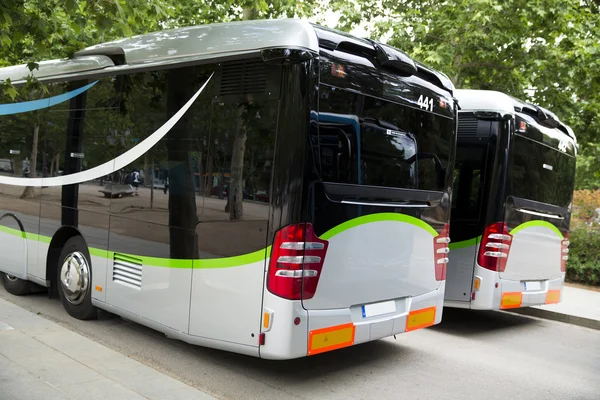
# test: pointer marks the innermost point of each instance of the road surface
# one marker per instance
(484, 355)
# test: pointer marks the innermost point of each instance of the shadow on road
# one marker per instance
(456, 321)
(320, 368)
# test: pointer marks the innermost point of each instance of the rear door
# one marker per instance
(381, 200)
(472, 174)
(540, 186)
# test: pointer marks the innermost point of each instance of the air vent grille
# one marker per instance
(243, 78)
(127, 270)
(467, 127)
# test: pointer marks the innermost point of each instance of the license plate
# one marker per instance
(532, 285)
(372, 310)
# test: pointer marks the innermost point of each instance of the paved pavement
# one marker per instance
(471, 355)
(578, 307)
(39, 359)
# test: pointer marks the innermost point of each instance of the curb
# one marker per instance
(556, 316)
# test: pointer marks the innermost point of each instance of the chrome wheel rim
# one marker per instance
(11, 278)
(75, 277)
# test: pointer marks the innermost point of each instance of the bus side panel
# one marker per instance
(227, 280)
(233, 233)
(143, 279)
(459, 279)
(14, 247)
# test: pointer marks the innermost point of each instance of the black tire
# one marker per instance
(15, 286)
(83, 309)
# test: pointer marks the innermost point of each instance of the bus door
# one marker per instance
(472, 173)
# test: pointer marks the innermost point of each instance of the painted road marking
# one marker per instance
(5, 327)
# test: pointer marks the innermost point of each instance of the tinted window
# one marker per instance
(540, 173)
(369, 141)
(468, 183)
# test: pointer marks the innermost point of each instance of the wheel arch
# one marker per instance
(58, 241)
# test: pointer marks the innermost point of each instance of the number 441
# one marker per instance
(426, 103)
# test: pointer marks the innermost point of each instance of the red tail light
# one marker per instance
(564, 253)
(296, 262)
(441, 250)
(495, 246)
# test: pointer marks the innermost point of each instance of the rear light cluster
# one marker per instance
(495, 246)
(441, 249)
(564, 253)
(296, 262)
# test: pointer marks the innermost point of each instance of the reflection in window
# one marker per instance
(239, 163)
(540, 173)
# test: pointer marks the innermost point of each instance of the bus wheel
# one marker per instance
(74, 279)
(14, 285)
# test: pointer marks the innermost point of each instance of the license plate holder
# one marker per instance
(532, 286)
(375, 309)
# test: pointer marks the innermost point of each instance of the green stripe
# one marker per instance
(380, 217)
(230, 262)
(14, 232)
(464, 243)
(544, 224)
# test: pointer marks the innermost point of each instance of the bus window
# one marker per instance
(551, 170)
(467, 186)
(398, 147)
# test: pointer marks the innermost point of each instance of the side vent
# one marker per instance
(467, 127)
(127, 270)
(248, 80)
(242, 78)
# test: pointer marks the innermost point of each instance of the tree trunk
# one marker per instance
(458, 65)
(149, 177)
(209, 172)
(236, 180)
(52, 166)
(200, 173)
(56, 163)
(29, 191)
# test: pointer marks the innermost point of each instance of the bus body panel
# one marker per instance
(225, 302)
(175, 334)
(493, 290)
(459, 279)
(361, 329)
(284, 324)
(375, 261)
(535, 252)
(163, 297)
(15, 261)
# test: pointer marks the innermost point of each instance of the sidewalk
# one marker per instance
(42, 360)
(578, 307)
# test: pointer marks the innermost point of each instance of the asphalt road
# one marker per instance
(484, 355)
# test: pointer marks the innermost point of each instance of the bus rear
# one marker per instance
(514, 188)
(367, 257)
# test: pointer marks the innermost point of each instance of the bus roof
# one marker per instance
(179, 45)
(212, 41)
(471, 100)
(484, 100)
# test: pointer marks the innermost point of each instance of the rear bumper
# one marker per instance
(511, 293)
(328, 330)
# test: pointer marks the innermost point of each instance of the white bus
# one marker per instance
(304, 194)
(511, 207)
